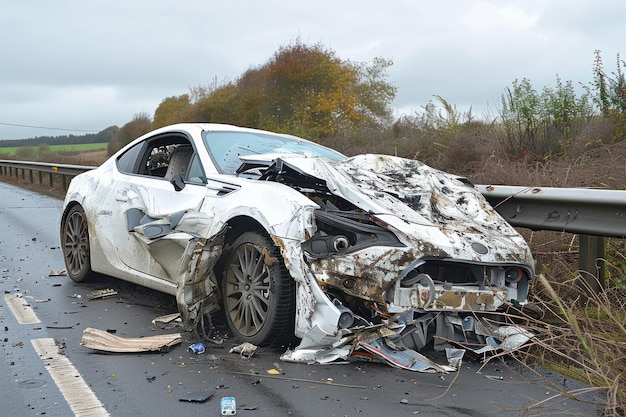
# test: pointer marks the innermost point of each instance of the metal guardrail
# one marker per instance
(592, 214)
(19, 169)
(574, 210)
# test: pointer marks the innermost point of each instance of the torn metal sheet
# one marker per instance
(405, 359)
(502, 338)
(455, 357)
(333, 354)
(105, 341)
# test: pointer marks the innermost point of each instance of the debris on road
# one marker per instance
(102, 340)
(246, 350)
(57, 273)
(228, 406)
(197, 396)
(309, 381)
(197, 348)
(169, 321)
(404, 359)
(389, 345)
(96, 294)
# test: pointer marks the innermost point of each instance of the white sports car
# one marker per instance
(296, 242)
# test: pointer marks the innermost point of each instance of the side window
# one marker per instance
(127, 162)
(196, 173)
(160, 157)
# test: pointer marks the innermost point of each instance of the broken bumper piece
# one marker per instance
(395, 344)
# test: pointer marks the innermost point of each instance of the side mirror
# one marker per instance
(177, 182)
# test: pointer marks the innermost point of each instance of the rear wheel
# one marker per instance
(75, 244)
(259, 293)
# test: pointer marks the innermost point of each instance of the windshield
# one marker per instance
(227, 147)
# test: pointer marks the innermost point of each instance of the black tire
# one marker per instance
(75, 244)
(258, 292)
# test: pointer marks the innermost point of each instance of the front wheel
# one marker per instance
(75, 244)
(259, 293)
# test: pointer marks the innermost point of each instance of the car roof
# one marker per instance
(214, 127)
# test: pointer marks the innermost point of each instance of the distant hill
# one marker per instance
(101, 137)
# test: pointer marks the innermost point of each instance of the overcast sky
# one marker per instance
(84, 65)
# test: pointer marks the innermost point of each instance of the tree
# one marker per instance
(374, 94)
(303, 90)
(140, 125)
(173, 110)
(311, 92)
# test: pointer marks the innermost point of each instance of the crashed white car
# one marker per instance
(294, 240)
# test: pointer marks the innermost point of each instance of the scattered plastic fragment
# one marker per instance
(197, 348)
(197, 396)
(273, 371)
(57, 272)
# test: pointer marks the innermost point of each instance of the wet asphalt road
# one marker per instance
(151, 384)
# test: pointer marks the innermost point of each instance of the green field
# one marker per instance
(80, 147)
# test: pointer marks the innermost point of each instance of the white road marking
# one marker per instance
(77, 393)
(21, 310)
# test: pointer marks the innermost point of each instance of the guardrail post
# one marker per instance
(591, 260)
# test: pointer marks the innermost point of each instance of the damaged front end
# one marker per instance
(398, 255)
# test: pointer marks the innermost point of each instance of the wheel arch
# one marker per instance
(240, 224)
(66, 209)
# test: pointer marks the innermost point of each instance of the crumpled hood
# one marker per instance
(421, 204)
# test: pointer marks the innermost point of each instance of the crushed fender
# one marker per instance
(101, 340)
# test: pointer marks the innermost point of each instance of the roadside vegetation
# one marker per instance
(559, 136)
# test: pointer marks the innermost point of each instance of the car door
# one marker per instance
(150, 204)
